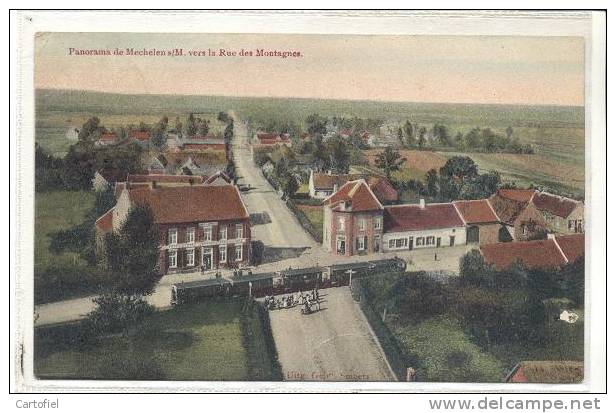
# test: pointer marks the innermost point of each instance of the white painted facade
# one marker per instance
(407, 240)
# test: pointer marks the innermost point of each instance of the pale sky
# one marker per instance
(457, 69)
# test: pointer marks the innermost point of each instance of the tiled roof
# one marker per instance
(506, 209)
(191, 203)
(107, 136)
(542, 254)
(327, 181)
(185, 179)
(268, 138)
(413, 217)
(476, 212)
(139, 135)
(519, 195)
(571, 245)
(383, 189)
(556, 205)
(219, 174)
(105, 221)
(357, 194)
(557, 371)
(207, 145)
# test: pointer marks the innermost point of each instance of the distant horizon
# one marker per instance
(308, 98)
(513, 70)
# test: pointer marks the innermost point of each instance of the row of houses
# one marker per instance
(356, 221)
(175, 141)
(203, 223)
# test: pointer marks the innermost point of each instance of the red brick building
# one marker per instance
(199, 226)
(353, 220)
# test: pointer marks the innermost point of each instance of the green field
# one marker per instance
(212, 341)
(54, 211)
(555, 132)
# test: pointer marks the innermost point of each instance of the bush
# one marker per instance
(117, 313)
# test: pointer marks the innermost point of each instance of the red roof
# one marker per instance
(543, 254)
(219, 174)
(191, 203)
(476, 212)
(327, 181)
(572, 246)
(346, 132)
(108, 136)
(269, 138)
(105, 221)
(139, 135)
(519, 195)
(555, 205)
(357, 195)
(216, 146)
(383, 189)
(412, 217)
(179, 179)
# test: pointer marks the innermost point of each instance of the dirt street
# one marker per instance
(333, 344)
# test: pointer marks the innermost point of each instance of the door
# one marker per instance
(341, 246)
(410, 243)
(452, 240)
(207, 258)
(438, 242)
(472, 235)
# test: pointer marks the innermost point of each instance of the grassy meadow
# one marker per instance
(210, 341)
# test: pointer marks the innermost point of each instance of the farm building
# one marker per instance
(521, 219)
(563, 215)
(272, 139)
(556, 371)
(106, 138)
(550, 253)
(482, 224)
(323, 185)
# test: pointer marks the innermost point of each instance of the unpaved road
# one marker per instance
(333, 344)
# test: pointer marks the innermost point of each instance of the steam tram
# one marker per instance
(281, 282)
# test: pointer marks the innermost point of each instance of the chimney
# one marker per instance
(422, 203)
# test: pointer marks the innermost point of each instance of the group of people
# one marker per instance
(307, 299)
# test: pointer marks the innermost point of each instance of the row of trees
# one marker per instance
(459, 178)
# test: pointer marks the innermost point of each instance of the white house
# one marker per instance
(415, 226)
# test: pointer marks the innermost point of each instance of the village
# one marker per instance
(234, 205)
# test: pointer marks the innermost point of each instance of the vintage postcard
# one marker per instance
(360, 210)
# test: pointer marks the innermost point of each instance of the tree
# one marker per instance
(389, 161)
(509, 132)
(339, 154)
(432, 181)
(473, 270)
(421, 141)
(191, 125)
(316, 124)
(132, 254)
(223, 117)
(462, 167)
(441, 133)
(178, 125)
(288, 185)
(159, 138)
(90, 129)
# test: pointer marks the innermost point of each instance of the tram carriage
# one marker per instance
(281, 282)
(301, 278)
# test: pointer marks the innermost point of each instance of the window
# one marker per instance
(222, 251)
(173, 258)
(190, 257)
(361, 245)
(524, 231)
(238, 253)
(207, 232)
(173, 236)
(377, 223)
(239, 231)
(392, 243)
(190, 235)
(223, 232)
(361, 224)
(420, 241)
(401, 242)
(570, 225)
(340, 224)
(429, 240)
